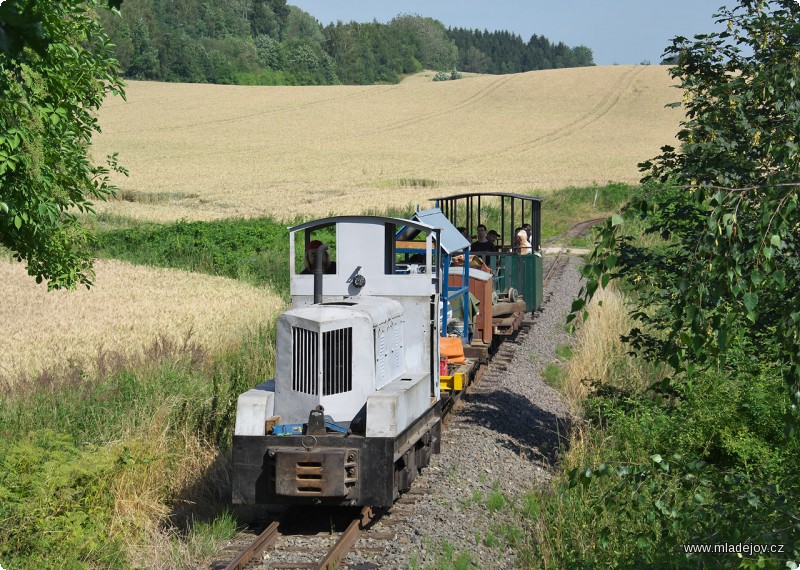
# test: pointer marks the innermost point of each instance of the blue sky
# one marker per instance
(617, 31)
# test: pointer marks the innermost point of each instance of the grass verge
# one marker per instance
(95, 471)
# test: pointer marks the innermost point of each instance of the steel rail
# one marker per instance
(259, 545)
(557, 262)
(346, 541)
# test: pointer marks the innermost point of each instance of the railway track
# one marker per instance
(559, 263)
(295, 541)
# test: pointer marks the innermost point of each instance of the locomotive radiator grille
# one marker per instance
(337, 361)
(305, 361)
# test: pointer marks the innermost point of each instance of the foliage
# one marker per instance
(56, 67)
(433, 49)
(710, 464)
(707, 457)
(443, 76)
(55, 497)
(58, 488)
(371, 52)
(254, 250)
(731, 217)
(199, 41)
(504, 52)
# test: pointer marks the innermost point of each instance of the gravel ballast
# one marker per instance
(501, 442)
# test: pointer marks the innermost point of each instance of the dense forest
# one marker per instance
(268, 42)
(504, 52)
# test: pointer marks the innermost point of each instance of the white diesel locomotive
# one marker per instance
(354, 410)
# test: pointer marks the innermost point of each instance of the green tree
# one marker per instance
(144, 63)
(434, 49)
(269, 52)
(269, 18)
(730, 211)
(476, 61)
(56, 66)
(301, 25)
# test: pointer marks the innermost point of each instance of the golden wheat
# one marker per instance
(214, 151)
(129, 307)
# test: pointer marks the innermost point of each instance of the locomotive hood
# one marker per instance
(336, 354)
(377, 309)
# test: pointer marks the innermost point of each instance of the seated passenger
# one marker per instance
(310, 259)
(482, 244)
(493, 236)
(528, 230)
(521, 243)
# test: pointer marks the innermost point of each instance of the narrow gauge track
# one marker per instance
(581, 228)
(291, 542)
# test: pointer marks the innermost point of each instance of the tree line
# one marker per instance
(269, 42)
(504, 52)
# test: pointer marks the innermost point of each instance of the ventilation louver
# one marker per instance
(337, 361)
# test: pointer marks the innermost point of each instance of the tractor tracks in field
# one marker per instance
(602, 108)
(366, 93)
(467, 103)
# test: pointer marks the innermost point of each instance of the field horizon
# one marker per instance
(204, 152)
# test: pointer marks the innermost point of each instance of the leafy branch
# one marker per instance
(725, 202)
(56, 67)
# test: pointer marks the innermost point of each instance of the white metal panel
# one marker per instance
(361, 248)
(336, 286)
(253, 408)
(378, 309)
(389, 358)
(395, 407)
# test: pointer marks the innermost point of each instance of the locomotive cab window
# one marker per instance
(308, 247)
(406, 251)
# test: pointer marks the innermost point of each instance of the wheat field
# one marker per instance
(128, 309)
(201, 152)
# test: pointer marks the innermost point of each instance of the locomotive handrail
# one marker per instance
(472, 194)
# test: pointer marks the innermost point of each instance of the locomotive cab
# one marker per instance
(353, 411)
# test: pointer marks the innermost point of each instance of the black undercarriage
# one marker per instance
(333, 468)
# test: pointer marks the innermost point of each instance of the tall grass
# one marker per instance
(95, 471)
(600, 357)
